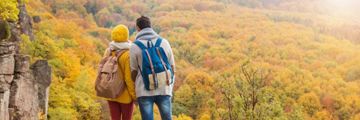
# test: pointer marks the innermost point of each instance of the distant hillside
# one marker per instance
(310, 57)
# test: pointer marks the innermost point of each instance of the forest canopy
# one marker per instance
(236, 59)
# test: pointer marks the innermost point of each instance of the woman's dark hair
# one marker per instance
(143, 22)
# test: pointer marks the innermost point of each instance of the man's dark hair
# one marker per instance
(143, 22)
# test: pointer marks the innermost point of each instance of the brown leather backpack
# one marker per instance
(110, 81)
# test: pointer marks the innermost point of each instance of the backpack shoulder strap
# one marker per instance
(158, 42)
(138, 43)
(118, 55)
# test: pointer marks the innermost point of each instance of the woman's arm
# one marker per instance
(128, 80)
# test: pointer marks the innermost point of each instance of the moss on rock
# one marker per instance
(5, 32)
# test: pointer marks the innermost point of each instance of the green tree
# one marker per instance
(246, 95)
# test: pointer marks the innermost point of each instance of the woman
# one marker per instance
(122, 107)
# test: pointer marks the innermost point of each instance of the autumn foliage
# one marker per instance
(236, 59)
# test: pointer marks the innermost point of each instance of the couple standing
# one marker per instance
(148, 69)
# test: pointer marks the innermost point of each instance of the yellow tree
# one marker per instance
(310, 102)
(192, 97)
(9, 10)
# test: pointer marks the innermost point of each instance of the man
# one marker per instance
(160, 94)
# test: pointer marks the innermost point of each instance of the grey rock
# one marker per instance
(4, 104)
(5, 81)
(36, 19)
(22, 63)
(42, 74)
(24, 90)
(15, 33)
(23, 98)
(25, 20)
(6, 49)
(7, 63)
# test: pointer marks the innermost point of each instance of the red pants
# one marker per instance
(120, 111)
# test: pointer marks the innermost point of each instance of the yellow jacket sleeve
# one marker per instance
(128, 81)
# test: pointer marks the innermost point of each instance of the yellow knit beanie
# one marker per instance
(120, 34)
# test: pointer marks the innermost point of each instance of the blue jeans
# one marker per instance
(146, 105)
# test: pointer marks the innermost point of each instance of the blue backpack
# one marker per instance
(156, 70)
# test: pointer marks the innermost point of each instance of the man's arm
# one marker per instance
(134, 74)
(170, 55)
(173, 68)
(133, 62)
